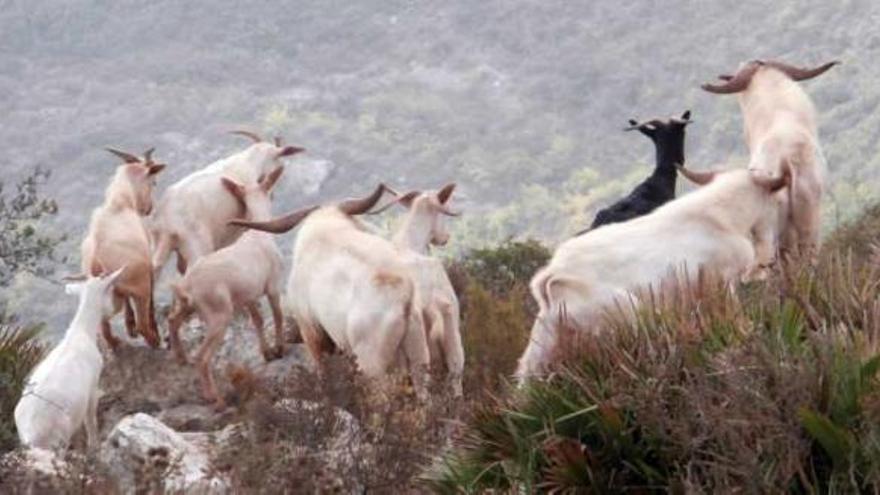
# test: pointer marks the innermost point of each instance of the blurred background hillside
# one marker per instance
(520, 102)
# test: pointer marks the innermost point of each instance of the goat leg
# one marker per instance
(278, 317)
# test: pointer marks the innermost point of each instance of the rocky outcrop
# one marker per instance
(142, 453)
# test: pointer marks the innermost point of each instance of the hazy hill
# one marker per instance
(521, 103)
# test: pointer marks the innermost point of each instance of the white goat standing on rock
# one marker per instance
(61, 392)
(709, 229)
(780, 130)
(422, 226)
(349, 289)
(193, 214)
(231, 278)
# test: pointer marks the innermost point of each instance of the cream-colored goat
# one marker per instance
(234, 277)
(118, 237)
(780, 130)
(193, 214)
(61, 393)
(349, 289)
(423, 226)
(709, 229)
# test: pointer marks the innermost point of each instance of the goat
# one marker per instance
(709, 229)
(192, 216)
(61, 392)
(423, 226)
(231, 278)
(659, 187)
(349, 289)
(118, 237)
(780, 130)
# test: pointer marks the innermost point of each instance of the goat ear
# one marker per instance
(234, 188)
(155, 168)
(686, 115)
(289, 151)
(74, 289)
(446, 192)
(268, 182)
(110, 279)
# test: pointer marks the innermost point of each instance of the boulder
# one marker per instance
(143, 454)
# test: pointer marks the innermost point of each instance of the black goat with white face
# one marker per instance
(659, 187)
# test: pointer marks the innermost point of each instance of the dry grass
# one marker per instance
(699, 390)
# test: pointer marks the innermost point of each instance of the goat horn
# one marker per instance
(800, 74)
(277, 141)
(126, 157)
(400, 199)
(148, 155)
(358, 206)
(256, 138)
(446, 192)
(277, 225)
(735, 84)
(699, 178)
(79, 277)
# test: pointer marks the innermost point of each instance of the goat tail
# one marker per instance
(540, 288)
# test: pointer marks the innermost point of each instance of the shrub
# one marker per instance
(771, 389)
(20, 350)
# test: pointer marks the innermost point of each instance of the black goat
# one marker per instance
(659, 187)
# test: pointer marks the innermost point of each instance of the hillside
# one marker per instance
(521, 103)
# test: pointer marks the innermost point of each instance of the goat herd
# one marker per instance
(388, 302)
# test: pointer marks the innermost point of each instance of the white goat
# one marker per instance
(348, 288)
(780, 130)
(118, 237)
(709, 229)
(422, 226)
(62, 391)
(193, 214)
(234, 277)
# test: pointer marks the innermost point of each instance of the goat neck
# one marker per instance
(119, 194)
(88, 316)
(669, 153)
(414, 233)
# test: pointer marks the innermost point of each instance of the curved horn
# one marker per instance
(446, 192)
(358, 206)
(736, 83)
(256, 138)
(800, 74)
(277, 225)
(126, 157)
(699, 178)
(148, 155)
(277, 141)
(399, 200)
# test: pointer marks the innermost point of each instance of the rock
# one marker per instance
(190, 417)
(141, 452)
(32, 466)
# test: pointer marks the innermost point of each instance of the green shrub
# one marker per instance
(772, 389)
(20, 350)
